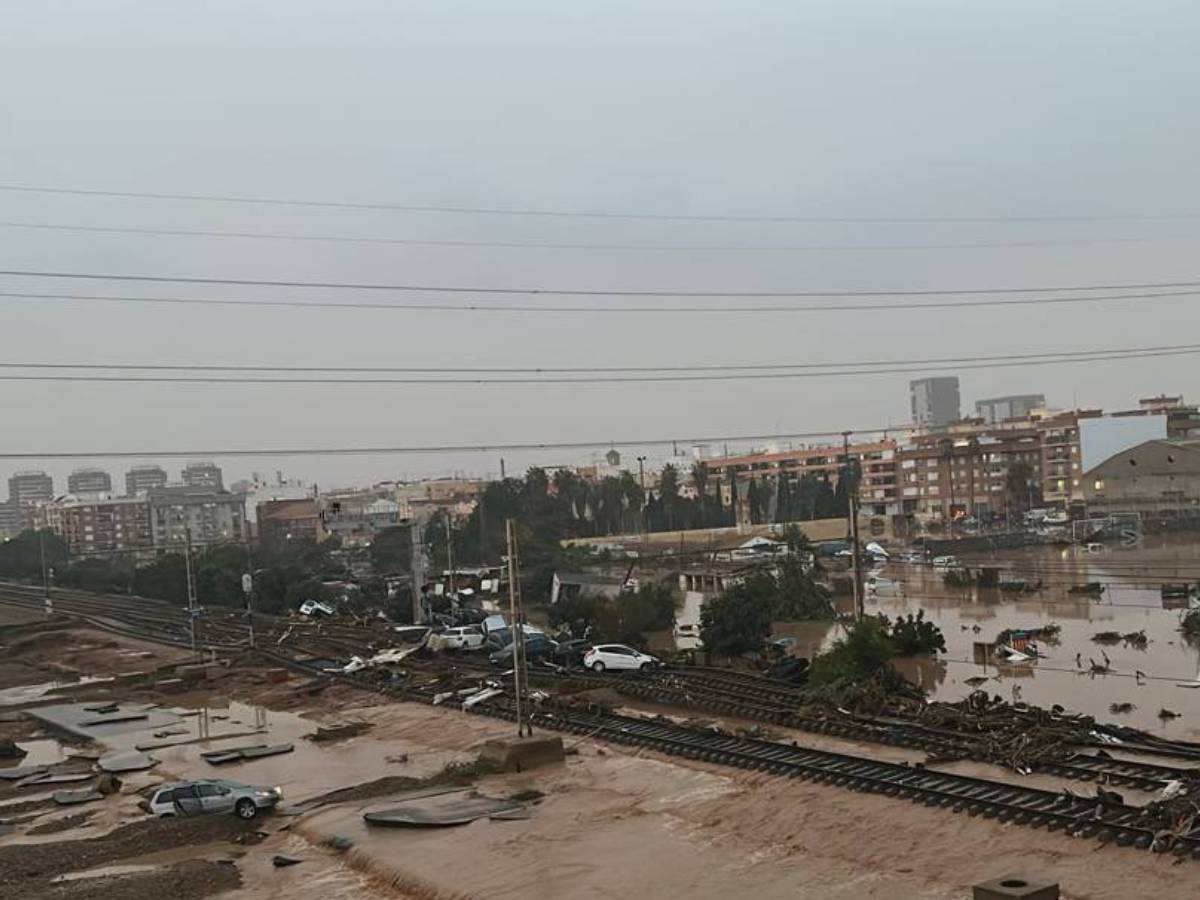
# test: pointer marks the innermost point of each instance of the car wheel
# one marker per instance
(646, 667)
(246, 808)
(597, 667)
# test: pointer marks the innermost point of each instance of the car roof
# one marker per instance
(221, 781)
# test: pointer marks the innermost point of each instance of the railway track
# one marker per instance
(705, 690)
(1107, 820)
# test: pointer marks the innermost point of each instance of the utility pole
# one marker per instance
(450, 555)
(641, 461)
(502, 468)
(417, 561)
(852, 517)
(49, 604)
(191, 587)
(248, 590)
(517, 618)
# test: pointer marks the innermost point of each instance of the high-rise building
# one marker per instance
(1001, 409)
(89, 481)
(141, 479)
(28, 488)
(203, 474)
(935, 401)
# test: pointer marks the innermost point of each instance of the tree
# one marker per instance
(668, 496)
(1021, 490)
(737, 621)
(626, 618)
(391, 550)
(21, 556)
(864, 653)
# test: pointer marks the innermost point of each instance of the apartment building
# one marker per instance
(89, 481)
(211, 517)
(141, 479)
(98, 524)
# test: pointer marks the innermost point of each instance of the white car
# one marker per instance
(211, 795)
(466, 638)
(620, 657)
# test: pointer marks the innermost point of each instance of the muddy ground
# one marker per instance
(610, 822)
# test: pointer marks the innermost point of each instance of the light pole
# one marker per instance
(641, 461)
(49, 605)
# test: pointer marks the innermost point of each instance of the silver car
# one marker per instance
(212, 796)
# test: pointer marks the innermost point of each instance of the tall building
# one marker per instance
(98, 525)
(11, 519)
(141, 479)
(28, 488)
(290, 520)
(203, 474)
(1000, 409)
(935, 401)
(211, 517)
(89, 481)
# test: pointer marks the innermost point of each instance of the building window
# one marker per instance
(1098, 484)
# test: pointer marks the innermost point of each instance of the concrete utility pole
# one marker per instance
(417, 563)
(450, 555)
(517, 623)
(248, 590)
(641, 461)
(191, 587)
(852, 521)
(49, 604)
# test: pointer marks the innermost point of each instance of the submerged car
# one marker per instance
(207, 796)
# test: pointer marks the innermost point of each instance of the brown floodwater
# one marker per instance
(1131, 602)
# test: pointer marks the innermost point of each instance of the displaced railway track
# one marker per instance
(710, 691)
(1102, 817)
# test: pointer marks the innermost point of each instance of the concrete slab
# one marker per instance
(78, 721)
(1016, 887)
(521, 754)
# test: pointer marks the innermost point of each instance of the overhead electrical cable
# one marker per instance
(589, 292)
(559, 245)
(1049, 355)
(589, 310)
(589, 214)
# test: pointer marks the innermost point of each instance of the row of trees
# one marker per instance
(549, 510)
(285, 573)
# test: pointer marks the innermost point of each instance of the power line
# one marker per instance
(444, 448)
(588, 214)
(606, 309)
(557, 245)
(172, 367)
(586, 292)
(589, 379)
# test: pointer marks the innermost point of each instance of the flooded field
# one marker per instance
(1131, 601)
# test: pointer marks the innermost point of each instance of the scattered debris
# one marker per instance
(1167, 714)
(239, 754)
(1121, 708)
(338, 732)
(19, 772)
(975, 680)
(1107, 637)
(43, 778)
(479, 697)
(1094, 588)
(339, 843)
(398, 759)
(10, 750)
(280, 861)
(1136, 639)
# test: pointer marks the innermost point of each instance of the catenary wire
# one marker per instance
(586, 214)
(164, 367)
(559, 245)
(598, 379)
(586, 292)
(443, 448)
(606, 309)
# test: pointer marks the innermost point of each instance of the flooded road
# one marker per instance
(1131, 601)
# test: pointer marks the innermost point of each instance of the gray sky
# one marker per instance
(793, 108)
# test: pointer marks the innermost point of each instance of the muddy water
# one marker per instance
(1131, 601)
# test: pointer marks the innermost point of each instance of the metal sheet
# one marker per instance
(239, 754)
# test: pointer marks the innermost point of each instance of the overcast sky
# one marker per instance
(826, 109)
